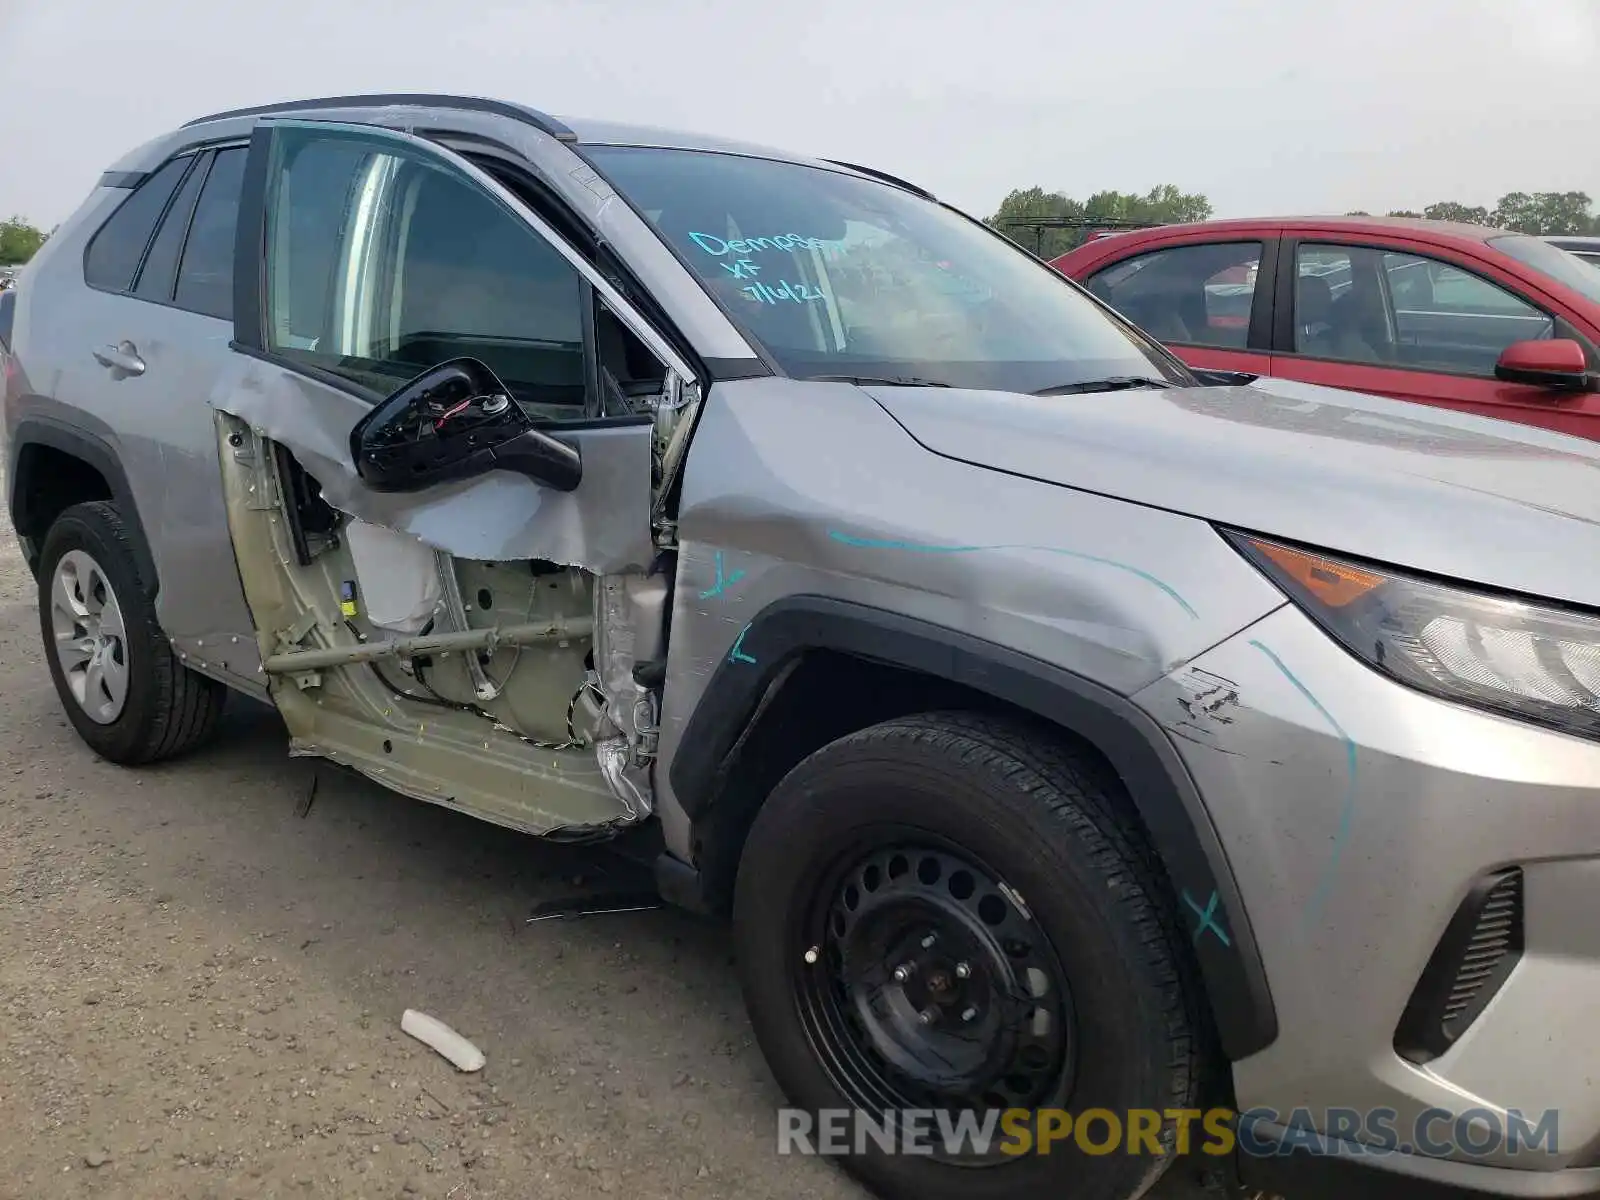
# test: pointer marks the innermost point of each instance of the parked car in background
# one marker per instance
(1482, 320)
(1586, 248)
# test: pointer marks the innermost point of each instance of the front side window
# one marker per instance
(1448, 319)
(1362, 304)
(1192, 295)
(382, 262)
(116, 250)
(837, 275)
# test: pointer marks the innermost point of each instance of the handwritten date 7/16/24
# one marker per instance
(799, 293)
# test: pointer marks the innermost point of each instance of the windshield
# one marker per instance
(836, 275)
(1566, 269)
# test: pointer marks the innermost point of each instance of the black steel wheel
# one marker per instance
(933, 988)
(957, 914)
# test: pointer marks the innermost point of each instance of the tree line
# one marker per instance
(19, 241)
(1052, 223)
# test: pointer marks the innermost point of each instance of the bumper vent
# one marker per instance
(1473, 959)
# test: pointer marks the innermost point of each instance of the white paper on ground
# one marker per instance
(431, 1031)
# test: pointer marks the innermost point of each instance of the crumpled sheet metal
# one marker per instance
(602, 527)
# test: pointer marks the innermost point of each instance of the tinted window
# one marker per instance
(1195, 295)
(8, 311)
(205, 280)
(383, 262)
(835, 274)
(160, 268)
(1449, 319)
(115, 252)
(1364, 305)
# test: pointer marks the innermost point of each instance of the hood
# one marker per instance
(1482, 501)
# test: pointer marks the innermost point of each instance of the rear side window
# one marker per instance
(1199, 295)
(205, 278)
(116, 250)
(8, 310)
(160, 268)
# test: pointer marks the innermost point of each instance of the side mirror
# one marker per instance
(452, 422)
(1556, 363)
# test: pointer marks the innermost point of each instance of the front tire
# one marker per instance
(957, 912)
(123, 689)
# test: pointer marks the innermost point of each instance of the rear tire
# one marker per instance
(1031, 819)
(123, 689)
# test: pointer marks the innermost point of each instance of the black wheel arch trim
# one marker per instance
(80, 444)
(1167, 799)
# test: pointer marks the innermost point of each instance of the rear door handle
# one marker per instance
(121, 360)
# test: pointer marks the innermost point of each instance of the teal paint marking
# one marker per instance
(1319, 895)
(737, 654)
(862, 543)
(723, 582)
(712, 244)
(1208, 919)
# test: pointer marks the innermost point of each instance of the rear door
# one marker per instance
(1208, 301)
(142, 347)
(1417, 323)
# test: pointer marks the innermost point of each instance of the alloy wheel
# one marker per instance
(90, 637)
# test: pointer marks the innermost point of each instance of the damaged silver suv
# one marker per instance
(1063, 730)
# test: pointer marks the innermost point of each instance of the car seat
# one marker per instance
(1361, 310)
(1316, 329)
(1157, 314)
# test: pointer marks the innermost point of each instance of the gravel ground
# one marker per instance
(201, 989)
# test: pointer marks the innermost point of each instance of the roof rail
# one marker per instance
(500, 108)
(886, 177)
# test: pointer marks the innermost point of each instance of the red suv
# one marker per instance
(1477, 319)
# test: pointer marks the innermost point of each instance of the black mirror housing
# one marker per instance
(456, 421)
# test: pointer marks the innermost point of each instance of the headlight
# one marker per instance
(1535, 662)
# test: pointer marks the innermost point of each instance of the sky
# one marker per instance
(1267, 107)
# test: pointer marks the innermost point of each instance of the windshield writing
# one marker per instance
(838, 275)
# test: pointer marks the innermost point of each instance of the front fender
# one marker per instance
(1165, 795)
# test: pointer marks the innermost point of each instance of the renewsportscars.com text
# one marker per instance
(1350, 1132)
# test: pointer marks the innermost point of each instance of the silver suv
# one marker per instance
(1063, 730)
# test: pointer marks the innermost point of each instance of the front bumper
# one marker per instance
(1346, 1172)
(1357, 815)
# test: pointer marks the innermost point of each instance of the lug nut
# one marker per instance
(927, 1016)
(927, 942)
(904, 972)
(969, 1014)
(812, 955)
(962, 970)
